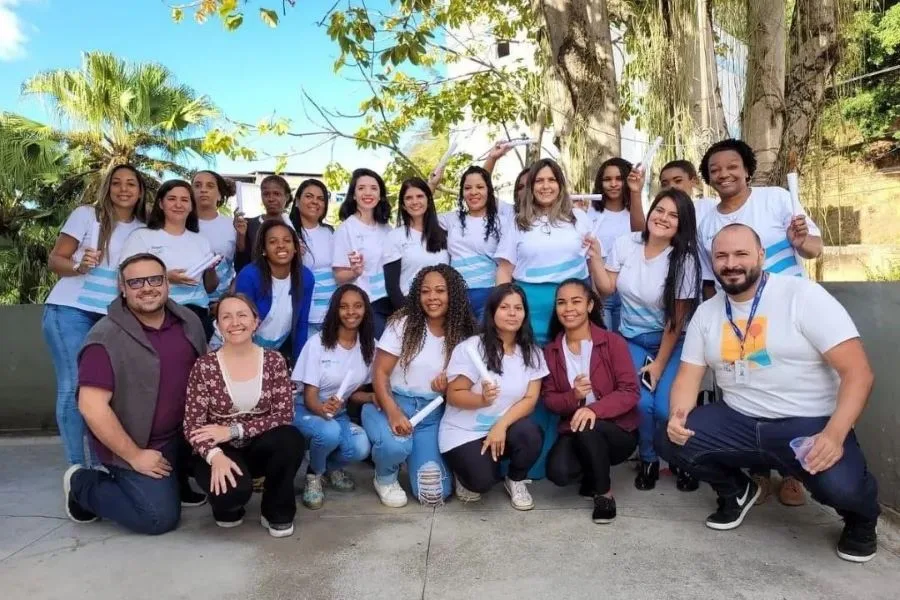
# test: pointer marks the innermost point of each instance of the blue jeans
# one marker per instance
(726, 441)
(333, 443)
(429, 476)
(65, 329)
(134, 501)
(653, 406)
(612, 312)
(477, 299)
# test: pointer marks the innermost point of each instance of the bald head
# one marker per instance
(738, 232)
(738, 258)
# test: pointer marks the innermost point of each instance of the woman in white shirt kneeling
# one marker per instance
(486, 420)
(333, 365)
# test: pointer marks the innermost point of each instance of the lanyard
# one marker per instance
(742, 337)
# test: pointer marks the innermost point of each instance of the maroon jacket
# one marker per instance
(613, 379)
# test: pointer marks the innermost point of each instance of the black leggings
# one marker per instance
(276, 454)
(589, 454)
(478, 472)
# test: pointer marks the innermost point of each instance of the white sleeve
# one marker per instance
(393, 245)
(392, 339)
(694, 350)
(506, 247)
(461, 364)
(541, 370)
(822, 319)
(688, 289)
(445, 218)
(342, 246)
(79, 223)
(619, 252)
(135, 244)
(706, 268)
(307, 370)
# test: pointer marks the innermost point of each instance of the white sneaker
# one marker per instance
(519, 494)
(277, 530)
(391, 495)
(230, 524)
(463, 494)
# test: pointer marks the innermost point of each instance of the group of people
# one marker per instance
(494, 344)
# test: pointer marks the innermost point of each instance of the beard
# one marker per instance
(751, 276)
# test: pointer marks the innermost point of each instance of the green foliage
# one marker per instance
(890, 273)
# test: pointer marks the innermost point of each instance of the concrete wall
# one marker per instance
(27, 384)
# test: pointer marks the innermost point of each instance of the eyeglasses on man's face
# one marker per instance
(136, 283)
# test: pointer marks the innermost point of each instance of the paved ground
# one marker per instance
(355, 548)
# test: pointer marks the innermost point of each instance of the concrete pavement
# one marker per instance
(355, 548)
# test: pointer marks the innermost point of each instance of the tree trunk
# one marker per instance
(577, 47)
(814, 51)
(707, 111)
(762, 117)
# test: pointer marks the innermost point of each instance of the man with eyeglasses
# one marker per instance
(132, 377)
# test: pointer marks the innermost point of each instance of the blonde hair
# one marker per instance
(561, 209)
(105, 211)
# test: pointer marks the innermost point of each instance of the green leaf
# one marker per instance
(281, 164)
(226, 7)
(232, 22)
(177, 15)
(269, 17)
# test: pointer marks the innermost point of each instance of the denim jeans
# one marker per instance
(429, 476)
(726, 441)
(612, 312)
(139, 503)
(477, 300)
(65, 329)
(653, 406)
(333, 443)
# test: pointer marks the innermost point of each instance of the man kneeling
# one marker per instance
(132, 376)
(791, 366)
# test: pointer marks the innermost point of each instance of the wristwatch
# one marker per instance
(235, 430)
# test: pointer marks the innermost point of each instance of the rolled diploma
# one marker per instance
(520, 142)
(586, 347)
(586, 196)
(207, 262)
(647, 161)
(479, 364)
(93, 241)
(446, 157)
(238, 199)
(429, 408)
(342, 389)
(794, 188)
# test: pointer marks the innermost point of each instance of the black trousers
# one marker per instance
(205, 318)
(478, 472)
(589, 454)
(275, 455)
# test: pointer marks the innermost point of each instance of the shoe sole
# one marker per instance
(751, 502)
(67, 489)
(856, 559)
(311, 506)
(603, 521)
(276, 533)
(230, 524)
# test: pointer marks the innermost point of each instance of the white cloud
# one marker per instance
(12, 38)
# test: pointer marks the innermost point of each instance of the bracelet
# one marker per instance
(235, 431)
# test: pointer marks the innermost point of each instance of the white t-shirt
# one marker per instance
(795, 323)
(185, 251)
(470, 253)
(326, 369)
(94, 291)
(768, 211)
(547, 253)
(416, 379)
(222, 238)
(409, 249)
(275, 328)
(608, 226)
(369, 241)
(702, 207)
(641, 283)
(318, 258)
(460, 426)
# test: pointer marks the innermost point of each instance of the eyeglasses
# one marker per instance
(137, 283)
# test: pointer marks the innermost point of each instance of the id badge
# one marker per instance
(741, 371)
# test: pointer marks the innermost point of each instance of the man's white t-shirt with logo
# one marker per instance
(641, 283)
(369, 241)
(93, 291)
(548, 252)
(768, 211)
(318, 258)
(460, 426)
(608, 226)
(409, 248)
(326, 368)
(796, 322)
(470, 253)
(222, 238)
(186, 251)
(416, 378)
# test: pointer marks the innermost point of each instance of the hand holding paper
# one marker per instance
(197, 270)
(475, 357)
(426, 410)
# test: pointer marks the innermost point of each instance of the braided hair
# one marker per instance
(459, 324)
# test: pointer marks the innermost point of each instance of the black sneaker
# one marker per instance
(604, 510)
(732, 510)
(648, 475)
(191, 498)
(858, 542)
(685, 482)
(73, 509)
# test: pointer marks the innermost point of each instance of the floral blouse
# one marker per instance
(208, 401)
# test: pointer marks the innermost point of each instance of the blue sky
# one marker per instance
(249, 74)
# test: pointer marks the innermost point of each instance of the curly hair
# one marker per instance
(332, 324)
(492, 220)
(459, 323)
(748, 156)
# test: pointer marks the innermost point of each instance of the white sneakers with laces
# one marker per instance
(391, 495)
(519, 494)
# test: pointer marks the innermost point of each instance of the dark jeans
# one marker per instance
(382, 309)
(726, 441)
(134, 501)
(589, 454)
(275, 455)
(479, 472)
(205, 318)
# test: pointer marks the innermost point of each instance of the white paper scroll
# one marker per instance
(519, 142)
(479, 364)
(446, 157)
(343, 389)
(793, 180)
(427, 410)
(239, 198)
(586, 347)
(590, 197)
(206, 263)
(93, 241)
(647, 161)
